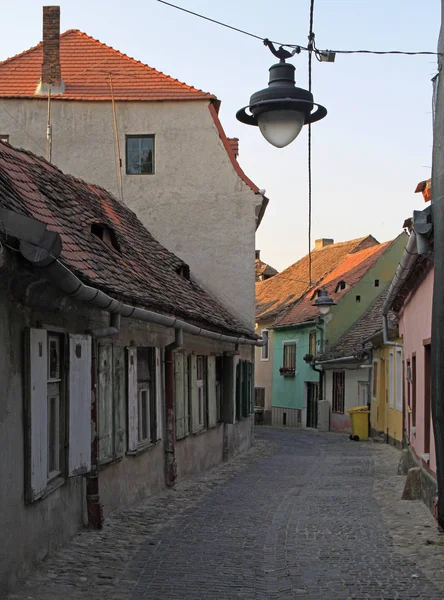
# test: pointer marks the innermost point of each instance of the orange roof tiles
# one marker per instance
(351, 270)
(278, 293)
(86, 67)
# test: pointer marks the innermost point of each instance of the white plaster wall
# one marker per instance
(263, 369)
(353, 376)
(195, 203)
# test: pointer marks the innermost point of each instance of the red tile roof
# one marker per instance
(86, 67)
(355, 339)
(284, 289)
(351, 270)
(141, 271)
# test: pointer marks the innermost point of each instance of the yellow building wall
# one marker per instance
(387, 394)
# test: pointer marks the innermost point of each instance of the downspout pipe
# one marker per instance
(70, 284)
(408, 259)
(94, 506)
(170, 460)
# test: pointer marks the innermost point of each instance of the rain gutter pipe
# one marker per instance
(408, 259)
(71, 285)
(170, 460)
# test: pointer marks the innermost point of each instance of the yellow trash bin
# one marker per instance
(359, 423)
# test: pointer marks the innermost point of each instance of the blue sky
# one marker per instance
(370, 151)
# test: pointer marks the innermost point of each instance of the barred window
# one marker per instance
(338, 392)
(289, 356)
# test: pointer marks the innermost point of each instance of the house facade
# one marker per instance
(353, 282)
(157, 144)
(274, 298)
(122, 373)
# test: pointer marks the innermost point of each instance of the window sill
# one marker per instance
(54, 485)
(142, 448)
(110, 461)
(200, 431)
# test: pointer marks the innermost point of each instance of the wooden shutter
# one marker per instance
(180, 383)
(229, 390)
(211, 391)
(238, 390)
(105, 402)
(193, 394)
(186, 394)
(79, 389)
(132, 398)
(119, 387)
(159, 393)
(37, 413)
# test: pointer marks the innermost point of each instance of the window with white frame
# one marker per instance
(201, 391)
(375, 380)
(144, 427)
(391, 375)
(55, 426)
(56, 363)
(265, 349)
(289, 356)
(399, 379)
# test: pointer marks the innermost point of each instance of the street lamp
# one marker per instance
(282, 109)
(323, 302)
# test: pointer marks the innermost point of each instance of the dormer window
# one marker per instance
(341, 286)
(184, 271)
(106, 234)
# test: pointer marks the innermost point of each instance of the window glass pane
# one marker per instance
(143, 364)
(200, 368)
(53, 358)
(53, 434)
(143, 415)
(140, 155)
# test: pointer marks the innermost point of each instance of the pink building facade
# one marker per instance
(415, 328)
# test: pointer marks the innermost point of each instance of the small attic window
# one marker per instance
(376, 282)
(106, 234)
(341, 286)
(358, 298)
(184, 271)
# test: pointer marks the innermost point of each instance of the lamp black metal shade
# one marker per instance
(281, 94)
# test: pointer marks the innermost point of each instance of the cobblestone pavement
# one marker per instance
(302, 515)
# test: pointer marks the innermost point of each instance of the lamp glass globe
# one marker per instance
(281, 127)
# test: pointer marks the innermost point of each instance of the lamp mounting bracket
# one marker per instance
(281, 53)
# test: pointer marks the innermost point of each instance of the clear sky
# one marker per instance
(370, 151)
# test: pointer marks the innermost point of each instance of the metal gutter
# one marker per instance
(335, 360)
(70, 284)
(408, 259)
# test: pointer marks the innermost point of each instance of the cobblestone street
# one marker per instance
(303, 515)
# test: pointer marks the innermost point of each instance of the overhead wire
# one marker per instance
(310, 53)
(305, 48)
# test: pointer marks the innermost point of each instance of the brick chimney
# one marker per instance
(51, 69)
(319, 244)
(234, 143)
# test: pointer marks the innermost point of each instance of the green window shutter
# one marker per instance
(194, 399)
(211, 391)
(180, 383)
(119, 389)
(186, 394)
(238, 390)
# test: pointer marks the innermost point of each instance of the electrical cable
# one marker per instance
(310, 45)
(307, 49)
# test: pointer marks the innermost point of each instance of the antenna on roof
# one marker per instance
(49, 130)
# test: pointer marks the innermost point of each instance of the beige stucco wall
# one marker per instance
(195, 203)
(263, 368)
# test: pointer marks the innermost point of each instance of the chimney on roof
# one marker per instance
(319, 244)
(234, 143)
(51, 79)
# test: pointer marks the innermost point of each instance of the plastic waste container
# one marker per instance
(359, 423)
